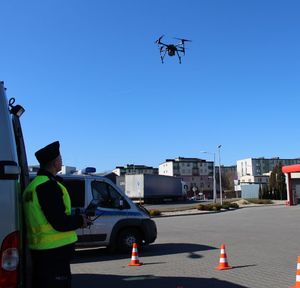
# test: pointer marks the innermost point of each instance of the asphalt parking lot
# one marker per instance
(262, 245)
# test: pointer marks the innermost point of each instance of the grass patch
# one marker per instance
(226, 205)
(217, 206)
(260, 201)
(154, 212)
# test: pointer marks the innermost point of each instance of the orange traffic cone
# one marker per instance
(223, 264)
(134, 257)
(297, 284)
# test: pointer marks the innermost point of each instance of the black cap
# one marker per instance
(48, 153)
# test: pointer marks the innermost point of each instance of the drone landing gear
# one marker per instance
(178, 57)
(162, 56)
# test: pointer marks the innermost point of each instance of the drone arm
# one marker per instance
(162, 44)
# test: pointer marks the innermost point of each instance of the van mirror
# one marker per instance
(91, 208)
(9, 170)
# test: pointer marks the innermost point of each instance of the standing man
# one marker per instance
(50, 225)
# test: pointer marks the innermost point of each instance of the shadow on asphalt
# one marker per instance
(102, 254)
(147, 281)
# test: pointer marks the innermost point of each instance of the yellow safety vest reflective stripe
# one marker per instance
(41, 234)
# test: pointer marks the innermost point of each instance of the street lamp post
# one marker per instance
(220, 176)
(214, 176)
(214, 179)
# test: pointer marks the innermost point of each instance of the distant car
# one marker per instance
(198, 197)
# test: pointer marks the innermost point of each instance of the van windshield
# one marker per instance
(107, 196)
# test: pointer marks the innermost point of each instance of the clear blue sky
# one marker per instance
(89, 75)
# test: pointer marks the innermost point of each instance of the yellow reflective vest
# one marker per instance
(41, 235)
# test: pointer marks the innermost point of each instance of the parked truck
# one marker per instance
(154, 188)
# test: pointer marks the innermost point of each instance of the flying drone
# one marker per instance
(171, 49)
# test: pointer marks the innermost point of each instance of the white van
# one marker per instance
(13, 179)
(117, 221)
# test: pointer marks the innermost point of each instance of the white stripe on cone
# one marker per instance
(223, 260)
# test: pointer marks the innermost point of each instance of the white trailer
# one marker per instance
(150, 188)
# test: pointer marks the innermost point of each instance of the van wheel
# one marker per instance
(126, 239)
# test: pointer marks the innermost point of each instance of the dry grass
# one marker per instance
(260, 201)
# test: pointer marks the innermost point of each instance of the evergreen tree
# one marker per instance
(277, 186)
(265, 193)
(281, 185)
(260, 192)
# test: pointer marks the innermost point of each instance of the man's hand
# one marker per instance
(86, 221)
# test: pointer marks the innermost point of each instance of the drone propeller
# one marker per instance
(158, 40)
(183, 40)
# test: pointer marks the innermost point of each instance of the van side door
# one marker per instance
(111, 207)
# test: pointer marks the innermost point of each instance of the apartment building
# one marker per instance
(134, 169)
(257, 170)
(196, 173)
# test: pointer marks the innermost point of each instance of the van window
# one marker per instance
(107, 195)
(76, 191)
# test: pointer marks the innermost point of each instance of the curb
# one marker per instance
(199, 212)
